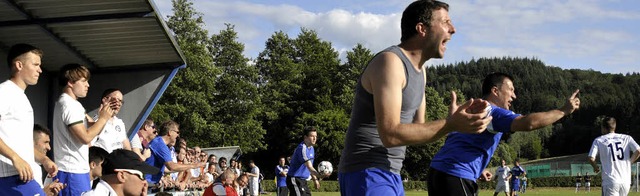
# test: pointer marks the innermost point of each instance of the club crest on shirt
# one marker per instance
(118, 129)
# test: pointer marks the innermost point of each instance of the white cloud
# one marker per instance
(564, 33)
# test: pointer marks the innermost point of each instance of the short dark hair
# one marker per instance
(309, 129)
(147, 122)
(109, 91)
(72, 72)
(493, 79)
(97, 154)
(221, 159)
(608, 123)
(166, 127)
(41, 129)
(19, 49)
(416, 12)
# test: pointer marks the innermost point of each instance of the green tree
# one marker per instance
(237, 101)
(348, 75)
(279, 82)
(189, 98)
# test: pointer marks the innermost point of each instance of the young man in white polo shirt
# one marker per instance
(74, 129)
(18, 158)
(114, 134)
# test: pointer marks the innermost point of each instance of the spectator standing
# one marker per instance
(578, 182)
(114, 134)
(71, 137)
(254, 176)
(281, 178)
(389, 107)
(16, 124)
(525, 180)
(587, 182)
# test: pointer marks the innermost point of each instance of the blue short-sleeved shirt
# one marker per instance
(466, 155)
(281, 180)
(302, 154)
(160, 154)
(516, 171)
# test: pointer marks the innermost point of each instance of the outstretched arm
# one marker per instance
(384, 78)
(537, 120)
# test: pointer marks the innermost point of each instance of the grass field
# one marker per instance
(538, 191)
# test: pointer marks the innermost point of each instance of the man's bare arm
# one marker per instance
(23, 168)
(541, 119)
(84, 134)
(177, 167)
(385, 79)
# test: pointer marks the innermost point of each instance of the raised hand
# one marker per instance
(105, 110)
(470, 117)
(572, 104)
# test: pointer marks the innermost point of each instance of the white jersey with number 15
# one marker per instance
(615, 152)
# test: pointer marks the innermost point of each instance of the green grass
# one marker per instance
(563, 191)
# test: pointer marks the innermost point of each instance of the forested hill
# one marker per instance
(541, 88)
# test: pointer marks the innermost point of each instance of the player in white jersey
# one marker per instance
(617, 152)
(503, 174)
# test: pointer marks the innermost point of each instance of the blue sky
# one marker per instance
(603, 35)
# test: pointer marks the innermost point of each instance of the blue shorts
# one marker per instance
(76, 183)
(12, 185)
(372, 181)
(515, 185)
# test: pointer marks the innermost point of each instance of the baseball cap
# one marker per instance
(128, 160)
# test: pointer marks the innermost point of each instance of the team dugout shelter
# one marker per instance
(125, 43)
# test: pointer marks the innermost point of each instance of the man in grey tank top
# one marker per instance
(389, 108)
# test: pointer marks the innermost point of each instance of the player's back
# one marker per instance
(615, 152)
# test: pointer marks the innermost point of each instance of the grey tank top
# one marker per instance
(363, 147)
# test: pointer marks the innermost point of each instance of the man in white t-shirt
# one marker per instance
(17, 155)
(617, 152)
(114, 134)
(73, 129)
(502, 175)
(254, 176)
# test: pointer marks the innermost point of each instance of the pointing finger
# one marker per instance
(573, 96)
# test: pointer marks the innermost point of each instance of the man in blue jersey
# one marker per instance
(462, 159)
(302, 165)
(281, 178)
(516, 173)
(161, 155)
(389, 107)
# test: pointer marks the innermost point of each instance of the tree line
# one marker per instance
(223, 98)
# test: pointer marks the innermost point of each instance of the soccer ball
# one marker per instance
(325, 168)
